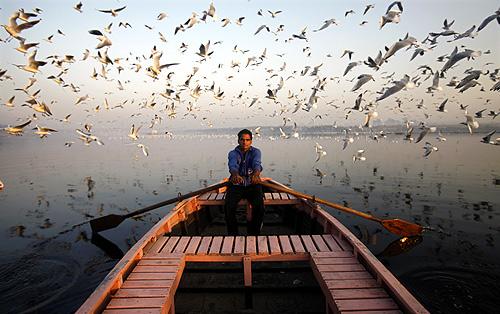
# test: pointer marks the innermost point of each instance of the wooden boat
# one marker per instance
(304, 261)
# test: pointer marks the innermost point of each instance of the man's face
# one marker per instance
(245, 142)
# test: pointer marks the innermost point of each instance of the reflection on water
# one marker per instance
(51, 188)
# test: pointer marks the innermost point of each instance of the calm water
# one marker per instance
(47, 266)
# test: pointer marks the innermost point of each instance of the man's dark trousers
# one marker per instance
(253, 193)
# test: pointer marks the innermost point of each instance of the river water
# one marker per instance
(46, 265)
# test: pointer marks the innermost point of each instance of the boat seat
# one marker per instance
(215, 198)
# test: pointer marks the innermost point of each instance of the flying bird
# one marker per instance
(113, 12)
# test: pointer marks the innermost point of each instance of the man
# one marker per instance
(245, 167)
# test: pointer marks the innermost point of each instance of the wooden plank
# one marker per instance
(331, 242)
(316, 255)
(285, 244)
(156, 269)
(153, 262)
(216, 245)
(352, 284)
(182, 244)
(133, 311)
(346, 275)
(153, 276)
(274, 245)
(297, 244)
(227, 245)
(204, 245)
(366, 304)
(193, 245)
(262, 245)
(169, 246)
(357, 267)
(130, 284)
(284, 196)
(251, 247)
(343, 243)
(308, 243)
(370, 293)
(142, 293)
(337, 261)
(247, 271)
(134, 303)
(320, 243)
(204, 196)
(158, 245)
(239, 245)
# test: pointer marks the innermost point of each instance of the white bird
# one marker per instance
(429, 148)
(43, 131)
(78, 7)
(362, 79)
(470, 122)
(204, 50)
(398, 85)
(133, 134)
(103, 39)
(156, 67)
(350, 66)
(320, 152)
(33, 64)
(320, 173)
(18, 129)
(113, 12)
(15, 29)
(490, 18)
(392, 16)
(273, 14)
(487, 139)
(400, 44)
(435, 84)
(359, 156)
(23, 47)
(441, 106)
(261, 28)
(347, 140)
(326, 24)
(424, 132)
(369, 117)
(144, 148)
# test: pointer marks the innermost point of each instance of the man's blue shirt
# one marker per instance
(245, 163)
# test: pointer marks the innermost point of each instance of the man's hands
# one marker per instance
(255, 177)
(236, 178)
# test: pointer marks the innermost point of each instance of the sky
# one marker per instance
(285, 57)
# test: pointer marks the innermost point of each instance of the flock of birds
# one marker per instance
(193, 87)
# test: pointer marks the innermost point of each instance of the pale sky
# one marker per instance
(417, 19)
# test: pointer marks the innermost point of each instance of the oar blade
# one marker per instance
(402, 227)
(105, 222)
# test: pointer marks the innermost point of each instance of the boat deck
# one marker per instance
(348, 286)
(351, 278)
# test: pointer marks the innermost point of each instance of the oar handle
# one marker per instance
(319, 200)
(179, 198)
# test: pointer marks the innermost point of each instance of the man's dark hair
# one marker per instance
(245, 131)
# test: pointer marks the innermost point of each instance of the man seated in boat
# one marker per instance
(245, 167)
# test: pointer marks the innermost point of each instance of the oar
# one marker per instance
(396, 226)
(113, 220)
